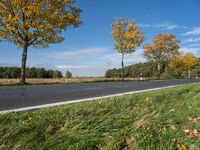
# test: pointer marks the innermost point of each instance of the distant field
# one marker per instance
(63, 80)
(159, 120)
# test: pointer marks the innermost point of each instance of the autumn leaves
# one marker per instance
(36, 23)
(182, 62)
(164, 48)
(127, 36)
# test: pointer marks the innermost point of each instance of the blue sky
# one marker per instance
(88, 51)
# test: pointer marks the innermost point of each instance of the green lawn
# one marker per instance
(158, 120)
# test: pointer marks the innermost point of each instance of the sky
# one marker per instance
(88, 50)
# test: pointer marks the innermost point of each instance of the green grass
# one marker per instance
(145, 121)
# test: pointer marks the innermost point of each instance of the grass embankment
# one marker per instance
(163, 119)
(11, 82)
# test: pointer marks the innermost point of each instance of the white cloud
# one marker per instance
(194, 45)
(82, 67)
(90, 70)
(72, 54)
(114, 59)
(164, 26)
(104, 62)
(190, 40)
(194, 50)
(168, 26)
(195, 31)
(145, 25)
(69, 67)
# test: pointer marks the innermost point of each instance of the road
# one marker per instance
(28, 96)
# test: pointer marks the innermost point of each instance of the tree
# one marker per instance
(163, 47)
(68, 74)
(177, 64)
(57, 74)
(190, 61)
(133, 71)
(36, 23)
(50, 73)
(127, 36)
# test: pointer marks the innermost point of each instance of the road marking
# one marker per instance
(85, 100)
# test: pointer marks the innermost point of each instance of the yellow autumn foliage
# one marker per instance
(162, 47)
(190, 60)
(127, 35)
(38, 22)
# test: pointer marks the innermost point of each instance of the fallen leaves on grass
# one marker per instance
(126, 143)
(167, 127)
(143, 123)
(172, 110)
(27, 120)
(148, 100)
(179, 145)
(137, 106)
(192, 132)
(195, 120)
(99, 147)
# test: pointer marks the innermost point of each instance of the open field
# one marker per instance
(64, 80)
(164, 119)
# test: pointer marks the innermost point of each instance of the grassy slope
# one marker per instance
(150, 120)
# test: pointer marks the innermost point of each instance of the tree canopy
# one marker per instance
(14, 72)
(127, 36)
(36, 23)
(162, 48)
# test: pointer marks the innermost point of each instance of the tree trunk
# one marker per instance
(189, 73)
(177, 76)
(166, 69)
(122, 73)
(158, 75)
(23, 67)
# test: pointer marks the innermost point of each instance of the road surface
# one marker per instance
(28, 96)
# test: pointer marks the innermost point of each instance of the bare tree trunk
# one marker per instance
(189, 73)
(177, 76)
(122, 67)
(158, 75)
(166, 69)
(23, 67)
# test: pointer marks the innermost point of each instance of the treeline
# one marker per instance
(149, 70)
(14, 72)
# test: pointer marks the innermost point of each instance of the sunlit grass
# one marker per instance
(158, 120)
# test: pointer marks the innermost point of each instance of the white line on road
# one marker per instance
(83, 100)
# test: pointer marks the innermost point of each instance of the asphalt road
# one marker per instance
(28, 96)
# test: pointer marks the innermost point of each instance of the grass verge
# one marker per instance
(163, 119)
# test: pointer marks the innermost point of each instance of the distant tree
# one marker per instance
(31, 72)
(40, 72)
(14, 72)
(50, 73)
(36, 23)
(177, 64)
(68, 74)
(127, 36)
(148, 69)
(108, 74)
(163, 47)
(57, 74)
(190, 61)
